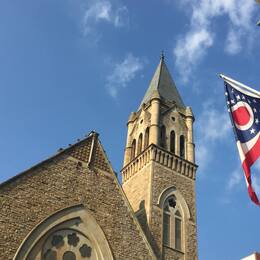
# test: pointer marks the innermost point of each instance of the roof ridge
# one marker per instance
(60, 151)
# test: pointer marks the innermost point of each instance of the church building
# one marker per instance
(72, 206)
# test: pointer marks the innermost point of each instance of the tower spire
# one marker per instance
(163, 84)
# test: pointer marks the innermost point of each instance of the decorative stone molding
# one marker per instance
(173, 191)
(69, 234)
(165, 158)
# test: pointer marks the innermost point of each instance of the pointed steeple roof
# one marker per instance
(163, 84)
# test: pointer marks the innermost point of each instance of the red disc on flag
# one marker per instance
(243, 115)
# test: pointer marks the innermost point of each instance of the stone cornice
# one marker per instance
(163, 157)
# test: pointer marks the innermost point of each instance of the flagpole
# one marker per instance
(240, 84)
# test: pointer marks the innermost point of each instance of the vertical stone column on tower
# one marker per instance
(190, 144)
(128, 148)
(155, 116)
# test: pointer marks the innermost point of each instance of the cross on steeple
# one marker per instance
(162, 55)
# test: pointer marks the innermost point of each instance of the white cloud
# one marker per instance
(200, 37)
(234, 183)
(190, 50)
(203, 156)
(255, 173)
(233, 45)
(256, 184)
(123, 73)
(103, 11)
(213, 125)
(235, 179)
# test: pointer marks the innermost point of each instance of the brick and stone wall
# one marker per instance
(164, 178)
(61, 182)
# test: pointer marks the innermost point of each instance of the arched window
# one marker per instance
(172, 224)
(182, 146)
(140, 144)
(69, 234)
(172, 142)
(163, 136)
(146, 137)
(133, 149)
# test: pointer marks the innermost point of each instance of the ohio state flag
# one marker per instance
(243, 105)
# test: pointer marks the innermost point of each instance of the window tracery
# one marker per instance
(69, 234)
(172, 223)
(67, 244)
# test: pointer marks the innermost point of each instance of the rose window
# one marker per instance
(67, 244)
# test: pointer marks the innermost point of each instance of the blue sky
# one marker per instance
(70, 66)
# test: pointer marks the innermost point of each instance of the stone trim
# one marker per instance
(73, 213)
(173, 191)
(165, 158)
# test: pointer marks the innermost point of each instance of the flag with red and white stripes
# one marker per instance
(243, 105)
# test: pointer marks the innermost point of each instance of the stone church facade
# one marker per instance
(71, 206)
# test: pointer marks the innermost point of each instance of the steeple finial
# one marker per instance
(162, 55)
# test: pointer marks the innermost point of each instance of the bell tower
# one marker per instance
(159, 169)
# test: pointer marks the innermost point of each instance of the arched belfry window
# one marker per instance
(182, 146)
(140, 144)
(172, 142)
(163, 137)
(133, 149)
(146, 137)
(172, 223)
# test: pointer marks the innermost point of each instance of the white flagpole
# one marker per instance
(238, 84)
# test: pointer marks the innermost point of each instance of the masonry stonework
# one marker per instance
(59, 183)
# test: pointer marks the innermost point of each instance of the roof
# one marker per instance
(163, 84)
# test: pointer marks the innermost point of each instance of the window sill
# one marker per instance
(174, 249)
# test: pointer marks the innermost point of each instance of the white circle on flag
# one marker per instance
(243, 115)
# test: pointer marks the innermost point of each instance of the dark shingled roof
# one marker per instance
(163, 83)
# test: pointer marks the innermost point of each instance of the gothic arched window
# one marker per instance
(172, 224)
(172, 141)
(146, 137)
(133, 149)
(182, 146)
(140, 144)
(163, 136)
(69, 234)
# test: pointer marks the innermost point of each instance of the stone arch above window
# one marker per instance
(173, 191)
(69, 234)
(173, 225)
